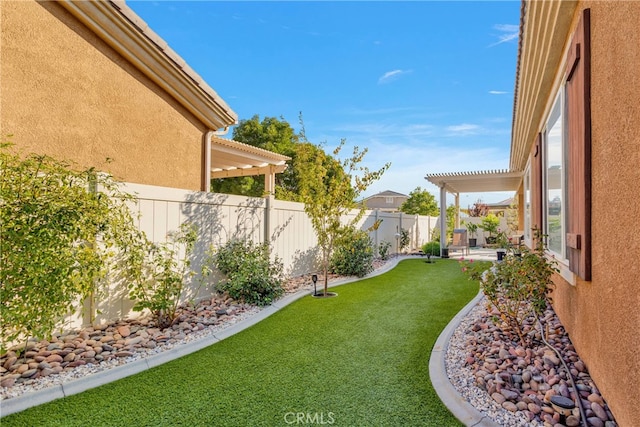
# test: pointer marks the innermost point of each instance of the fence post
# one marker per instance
(268, 211)
(377, 211)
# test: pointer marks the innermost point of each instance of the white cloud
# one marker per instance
(509, 32)
(463, 129)
(420, 147)
(498, 92)
(390, 76)
(410, 164)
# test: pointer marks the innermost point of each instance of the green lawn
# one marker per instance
(360, 359)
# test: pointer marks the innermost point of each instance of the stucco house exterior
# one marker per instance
(576, 137)
(574, 166)
(87, 81)
(386, 201)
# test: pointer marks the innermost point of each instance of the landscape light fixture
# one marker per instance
(314, 279)
(562, 405)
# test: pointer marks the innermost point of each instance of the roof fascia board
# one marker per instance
(544, 30)
(117, 25)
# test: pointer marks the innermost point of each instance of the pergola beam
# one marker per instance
(230, 159)
(251, 171)
(470, 182)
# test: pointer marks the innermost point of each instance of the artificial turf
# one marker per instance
(359, 359)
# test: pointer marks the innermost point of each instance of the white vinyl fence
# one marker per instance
(221, 217)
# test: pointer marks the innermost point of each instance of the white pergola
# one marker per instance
(228, 158)
(470, 182)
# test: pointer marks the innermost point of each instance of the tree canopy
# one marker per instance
(329, 189)
(271, 134)
(420, 202)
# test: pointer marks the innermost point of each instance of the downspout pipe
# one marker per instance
(206, 173)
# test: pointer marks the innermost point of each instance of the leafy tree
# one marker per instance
(329, 189)
(420, 202)
(271, 134)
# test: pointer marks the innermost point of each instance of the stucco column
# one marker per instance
(443, 218)
(457, 221)
(270, 180)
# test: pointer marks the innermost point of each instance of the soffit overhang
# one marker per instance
(544, 29)
(118, 26)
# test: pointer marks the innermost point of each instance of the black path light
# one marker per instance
(562, 405)
(314, 279)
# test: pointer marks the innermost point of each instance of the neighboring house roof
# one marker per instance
(387, 193)
(123, 30)
(502, 204)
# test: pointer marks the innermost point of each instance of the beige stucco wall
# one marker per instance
(67, 94)
(603, 316)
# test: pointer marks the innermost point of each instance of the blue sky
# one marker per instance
(425, 85)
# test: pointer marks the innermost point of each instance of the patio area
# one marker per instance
(477, 253)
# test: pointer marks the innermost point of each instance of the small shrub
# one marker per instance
(431, 248)
(519, 286)
(251, 276)
(161, 290)
(383, 250)
(353, 255)
(404, 238)
(490, 224)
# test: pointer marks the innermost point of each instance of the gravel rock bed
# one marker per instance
(76, 354)
(513, 385)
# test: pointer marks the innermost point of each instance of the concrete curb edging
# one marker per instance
(58, 391)
(459, 407)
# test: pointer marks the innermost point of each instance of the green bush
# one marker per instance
(353, 255)
(519, 286)
(490, 224)
(383, 250)
(432, 248)
(251, 276)
(161, 289)
(404, 239)
(61, 227)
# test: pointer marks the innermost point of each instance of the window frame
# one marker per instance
(527, 198)
(557, 116)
